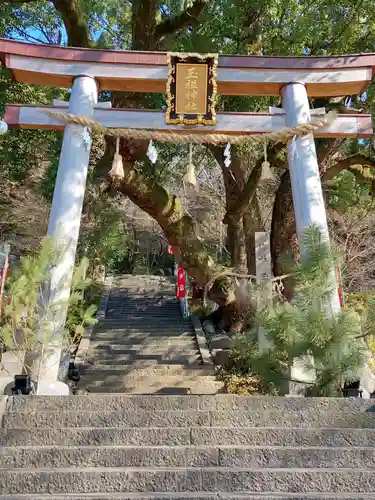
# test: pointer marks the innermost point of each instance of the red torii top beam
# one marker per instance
(147, 71)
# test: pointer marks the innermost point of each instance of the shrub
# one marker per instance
(305, 329)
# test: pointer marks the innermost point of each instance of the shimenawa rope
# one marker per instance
(208, 138)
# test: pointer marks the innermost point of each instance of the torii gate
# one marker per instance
(86, 71)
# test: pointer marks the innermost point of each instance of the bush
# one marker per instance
(305, 330)
(28, 319)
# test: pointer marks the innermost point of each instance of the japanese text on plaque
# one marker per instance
(191, 89)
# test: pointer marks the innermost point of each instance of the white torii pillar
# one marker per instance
(65, 218)
(308, 201)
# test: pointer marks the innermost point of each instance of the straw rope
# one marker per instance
(210, 138)
(230, 273)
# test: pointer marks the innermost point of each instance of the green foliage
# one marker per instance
(305, 329)
(348, 195)
(363, 303)
(240, 375)
(48, 178)
(105, 239)
(360, 302)
(26, 323)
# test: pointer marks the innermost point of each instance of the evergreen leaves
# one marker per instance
(28, 319)
(305, 329)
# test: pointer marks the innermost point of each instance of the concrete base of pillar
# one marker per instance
(45, 388)
(299, 372)
(367, 381)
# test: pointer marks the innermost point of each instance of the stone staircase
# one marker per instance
(143, 345)
(139, 447)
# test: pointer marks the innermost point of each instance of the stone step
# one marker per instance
(140, 360)
(183, 346)
(164, 318)
(141, 333)
(148, 324)
(128, 373)
(146, 342)
(135, 282)
(188, 348)
(135, 322)
(191, 496)
(145, 289)
(109, 322)
(162, 418)
(121, 418)
(142, 299)
(208, 479)
(143, 292)
(179, 418)
(228, 403)
(140, 305)
(160, 378)
(160, 318)
(128, 329)
(123, 286)
(187, 456)
(143, 303)
(197, 436)
(165, 312)
(155, 345)
(161, 385)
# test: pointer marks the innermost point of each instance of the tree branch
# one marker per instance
(325, 148)
(251, 185)
(178, 226)
(24, 33)
(357, 164)
(189, 17)
(75, 23)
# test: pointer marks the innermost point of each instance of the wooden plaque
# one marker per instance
(191, 89)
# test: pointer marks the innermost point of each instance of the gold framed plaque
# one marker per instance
(191, 89)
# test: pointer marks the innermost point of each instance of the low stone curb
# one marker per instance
(219, 344)
(81, 354)
(201, 340)
(3, 408)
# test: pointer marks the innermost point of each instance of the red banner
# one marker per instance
(181, 283)
(340, 291)
(4, 267)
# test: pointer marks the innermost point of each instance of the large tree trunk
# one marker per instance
(144, 24)
(235, 244)
(283, 230)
